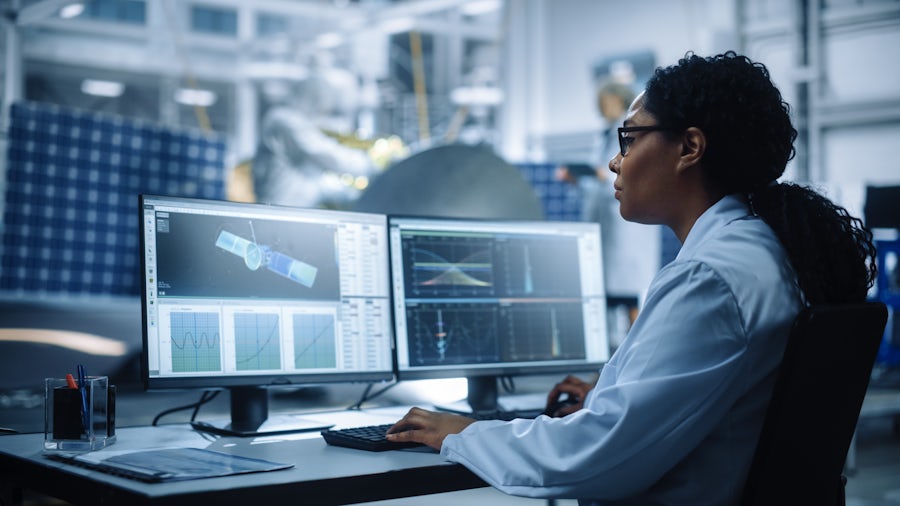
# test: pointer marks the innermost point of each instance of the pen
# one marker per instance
(82, 385)
(71, 381)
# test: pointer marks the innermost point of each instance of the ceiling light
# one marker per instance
(276, 70)
(479, 7)
(397, 25)
(476, 95)
(72, 10)
(195, 97)
(101, 88)
(329, 40)
(78, 341)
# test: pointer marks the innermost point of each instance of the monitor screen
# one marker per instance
(484, 299)
(246, 296)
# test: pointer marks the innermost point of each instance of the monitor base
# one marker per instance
(283, 424)
(515, 402)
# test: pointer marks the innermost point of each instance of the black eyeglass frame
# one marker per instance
(647, 128)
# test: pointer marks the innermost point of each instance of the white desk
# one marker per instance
(322, 474)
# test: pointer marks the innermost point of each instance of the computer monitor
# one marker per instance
(484, 299)
(248, 296)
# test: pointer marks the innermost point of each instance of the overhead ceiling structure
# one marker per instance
(124, 55)
(303, 25)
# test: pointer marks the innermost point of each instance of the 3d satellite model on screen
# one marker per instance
(258, 255)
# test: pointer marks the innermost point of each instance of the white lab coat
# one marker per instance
(676, 412)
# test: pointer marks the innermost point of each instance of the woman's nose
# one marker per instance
(614, 163)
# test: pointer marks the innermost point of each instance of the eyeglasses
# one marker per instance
(626, 141)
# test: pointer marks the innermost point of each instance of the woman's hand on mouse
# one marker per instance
(575, 388)
(427, 427)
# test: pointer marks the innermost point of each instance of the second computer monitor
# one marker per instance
(483, 299)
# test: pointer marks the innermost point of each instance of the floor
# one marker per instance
(874, 482)
(876, 479)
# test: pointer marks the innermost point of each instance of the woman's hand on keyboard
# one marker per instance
(567, 396)
(427, 427)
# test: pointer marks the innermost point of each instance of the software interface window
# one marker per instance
(251, 294)
(496, 297)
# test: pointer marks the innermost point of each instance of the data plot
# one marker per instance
(256, 341)
(458, 335)
(195, 342)
(450, 266)
(544, 332)
(314, 341)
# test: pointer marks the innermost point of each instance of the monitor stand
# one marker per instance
(482, 397)
(250, 417)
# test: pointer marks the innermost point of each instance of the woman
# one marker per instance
(675, 414)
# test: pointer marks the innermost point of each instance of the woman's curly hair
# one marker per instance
(749, 140)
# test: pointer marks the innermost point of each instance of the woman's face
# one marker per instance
(645, 184)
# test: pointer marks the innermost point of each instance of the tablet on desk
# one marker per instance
(169, 464)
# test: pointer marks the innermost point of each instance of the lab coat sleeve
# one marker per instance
(666, 388)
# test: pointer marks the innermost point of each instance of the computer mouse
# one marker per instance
(563, 401)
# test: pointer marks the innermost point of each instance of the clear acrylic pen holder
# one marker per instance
(78, 419)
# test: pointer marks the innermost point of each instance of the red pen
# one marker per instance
(71, 381)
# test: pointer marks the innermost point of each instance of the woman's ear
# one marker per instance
(693, 145)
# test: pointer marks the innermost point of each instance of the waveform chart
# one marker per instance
(196, 346)
(447, 268)
(314, 341)
(456, 335)
(544, 332)
(256, 341)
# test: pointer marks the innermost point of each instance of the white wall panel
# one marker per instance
(863, 64)
(858, 156)
(579, 32)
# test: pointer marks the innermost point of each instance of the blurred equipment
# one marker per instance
(298, 164)
(453, 180)
(46, 338)
(882, 212)
(883, 207)
(308, 154)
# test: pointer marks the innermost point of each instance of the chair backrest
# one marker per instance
(815, 405)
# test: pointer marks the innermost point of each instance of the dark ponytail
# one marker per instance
(831, 251)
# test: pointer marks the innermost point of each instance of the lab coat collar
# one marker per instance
(729, 208)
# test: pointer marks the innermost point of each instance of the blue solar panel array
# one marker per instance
(70, 220)
(560, 200)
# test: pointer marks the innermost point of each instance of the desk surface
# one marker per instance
(322, 474)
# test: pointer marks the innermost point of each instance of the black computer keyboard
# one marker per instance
(371, 437)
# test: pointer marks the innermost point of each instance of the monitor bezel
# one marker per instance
(211, 381)
(495, 369)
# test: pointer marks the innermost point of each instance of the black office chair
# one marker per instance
(812, 416)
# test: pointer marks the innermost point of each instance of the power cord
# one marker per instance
(207, 396)
(508, 384)
(366, 397)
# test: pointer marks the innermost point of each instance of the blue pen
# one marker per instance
(82, 385)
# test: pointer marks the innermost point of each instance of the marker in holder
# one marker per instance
(80, 418)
